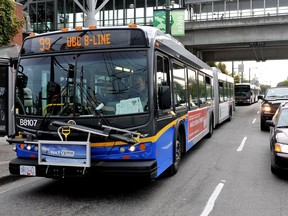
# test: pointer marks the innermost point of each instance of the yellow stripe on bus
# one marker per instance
(147, 139)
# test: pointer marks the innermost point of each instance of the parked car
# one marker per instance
(270, 103)
(279, 139)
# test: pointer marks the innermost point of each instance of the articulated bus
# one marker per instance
(79, 110)
(224, 93)
(246, 93)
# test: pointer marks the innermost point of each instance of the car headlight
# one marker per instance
(281, 148)
(266, 108)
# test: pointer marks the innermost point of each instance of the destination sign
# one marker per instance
(84, 39)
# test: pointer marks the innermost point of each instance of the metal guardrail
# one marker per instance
(227, 15)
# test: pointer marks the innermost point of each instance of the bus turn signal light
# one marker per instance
(142, 147)
(132, 25)
(64, 29)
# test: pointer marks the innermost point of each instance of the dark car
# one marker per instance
(279, 139)
(270, 103)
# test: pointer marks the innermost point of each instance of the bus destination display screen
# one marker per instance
(84, 39)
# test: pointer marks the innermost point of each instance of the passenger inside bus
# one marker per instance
(140, 90)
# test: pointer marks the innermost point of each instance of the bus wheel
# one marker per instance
(230, 115)
(173, 169)
(210, 133)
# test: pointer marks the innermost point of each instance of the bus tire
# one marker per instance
(210, 133)
(179, 142)
(230, 114)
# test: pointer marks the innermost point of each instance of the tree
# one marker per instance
(283, 84)
(9, 22)
(237, 78)
(221, 66)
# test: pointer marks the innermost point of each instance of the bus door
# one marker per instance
(6, 73)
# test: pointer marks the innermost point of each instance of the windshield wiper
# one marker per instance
(129, 137)
(283, 126)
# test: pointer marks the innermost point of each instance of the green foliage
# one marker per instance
(264, 88)
(221, 66)
(9, 22)
(283, 84)
(237, 78)
(212, 64)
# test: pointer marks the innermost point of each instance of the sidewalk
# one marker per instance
(6, 154)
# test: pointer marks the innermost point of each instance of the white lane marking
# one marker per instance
(210, 204)
(254, 121)
(242, 144)
(4, 162)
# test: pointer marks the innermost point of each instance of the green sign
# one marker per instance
(159, 20)
(178, 22)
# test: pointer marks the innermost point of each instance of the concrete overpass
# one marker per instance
(236, 30)
(259, 39)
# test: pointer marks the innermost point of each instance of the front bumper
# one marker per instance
(145, 169)
(280, 161)
(267, 116)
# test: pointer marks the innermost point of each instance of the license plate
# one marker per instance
(27, 170)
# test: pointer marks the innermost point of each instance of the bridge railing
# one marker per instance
(227, 14)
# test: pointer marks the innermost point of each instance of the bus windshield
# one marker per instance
(242, 90)
(87, 84)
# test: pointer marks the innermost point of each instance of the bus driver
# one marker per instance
(140, 90)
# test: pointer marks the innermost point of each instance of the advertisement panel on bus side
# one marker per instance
(197, 122)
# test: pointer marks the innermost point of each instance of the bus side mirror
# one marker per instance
(21, 81)
(164, 95)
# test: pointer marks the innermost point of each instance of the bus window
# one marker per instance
(209, 89)
(179, 85)
(163, 82)
(192, 88)
(202, 90)
(226, 91)
(221, 92)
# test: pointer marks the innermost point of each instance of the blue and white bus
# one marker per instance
(77, 110)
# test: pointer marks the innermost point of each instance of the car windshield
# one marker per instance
(83, 84)
(283, 119)
(277, 93)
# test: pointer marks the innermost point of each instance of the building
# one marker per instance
(50, 15)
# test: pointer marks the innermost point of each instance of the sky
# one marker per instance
(268, 72)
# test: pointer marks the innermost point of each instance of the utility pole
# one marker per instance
(168, 26)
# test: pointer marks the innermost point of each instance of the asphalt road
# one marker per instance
(228, 174)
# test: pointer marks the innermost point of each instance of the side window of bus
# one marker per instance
(202, 90)
(209, 89)
(232, 90)
(179, 85)
(163, 86)
(192, 89)
(227, 96)
(221, 91)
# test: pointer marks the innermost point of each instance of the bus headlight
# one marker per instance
(132, 148)
(122, 149)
